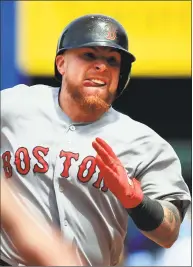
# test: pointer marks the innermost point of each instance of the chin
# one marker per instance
(94, 103)
(92, 99)
(94, 91)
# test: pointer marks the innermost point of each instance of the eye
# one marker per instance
(113, 61)
(89, 56)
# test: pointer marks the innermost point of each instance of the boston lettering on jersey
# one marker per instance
(22, 163)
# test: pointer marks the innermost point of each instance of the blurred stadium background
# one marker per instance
(159, 93)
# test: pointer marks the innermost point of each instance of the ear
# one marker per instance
(60, 64)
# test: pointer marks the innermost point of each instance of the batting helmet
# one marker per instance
(97, 30)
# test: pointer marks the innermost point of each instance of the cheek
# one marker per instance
(115, 78)
(74, 73)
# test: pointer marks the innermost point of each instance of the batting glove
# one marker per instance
(128, 191)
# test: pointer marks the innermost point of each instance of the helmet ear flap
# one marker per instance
(124, 77)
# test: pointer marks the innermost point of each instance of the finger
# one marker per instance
(109, 176)
(103, 154)
(106, 147)
(105, 169)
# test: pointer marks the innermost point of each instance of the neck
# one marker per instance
(75, 111)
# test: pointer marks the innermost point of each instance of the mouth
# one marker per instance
(95, 82)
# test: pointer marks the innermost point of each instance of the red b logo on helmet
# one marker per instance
(111, 33)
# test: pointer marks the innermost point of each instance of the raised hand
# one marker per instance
(127, 190)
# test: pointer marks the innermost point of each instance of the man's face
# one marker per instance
(90, 75)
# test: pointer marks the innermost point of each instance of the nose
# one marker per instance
(100, 67)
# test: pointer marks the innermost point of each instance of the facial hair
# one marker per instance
(91, 103)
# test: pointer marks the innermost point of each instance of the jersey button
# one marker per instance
(61, 189)
(72, 128)
(65, 223)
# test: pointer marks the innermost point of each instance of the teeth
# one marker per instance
(98, 81)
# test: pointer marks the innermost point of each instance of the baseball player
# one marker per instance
(83, 166)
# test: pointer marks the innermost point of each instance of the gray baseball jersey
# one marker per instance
(51, 160)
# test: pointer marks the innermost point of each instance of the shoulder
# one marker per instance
(137, 136)
(24, 90)
(21, 97)
(128, 128)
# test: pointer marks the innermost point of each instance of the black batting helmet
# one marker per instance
(97, 30)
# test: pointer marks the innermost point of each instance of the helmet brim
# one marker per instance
(100, 43)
